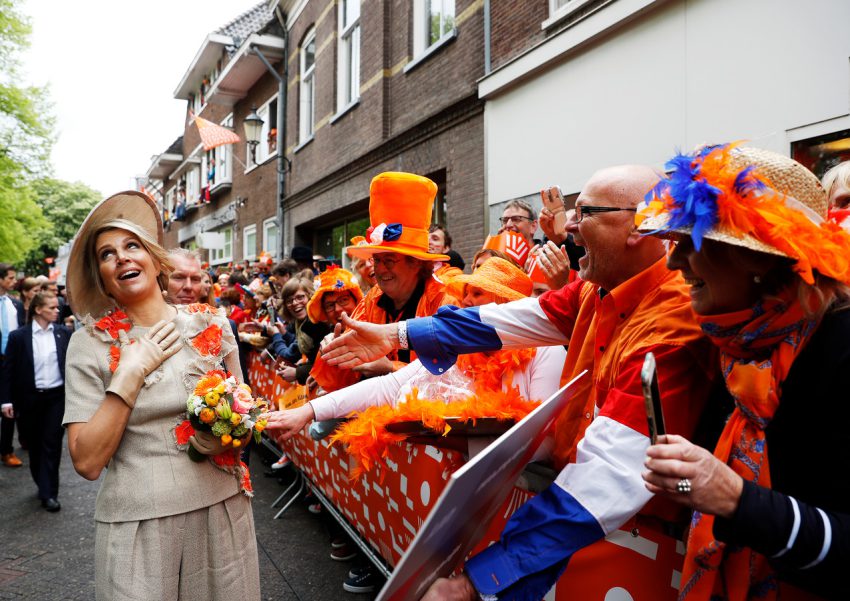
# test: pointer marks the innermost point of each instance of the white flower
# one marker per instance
(198, 410)
(248, 423)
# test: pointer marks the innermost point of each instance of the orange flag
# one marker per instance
(213, 135)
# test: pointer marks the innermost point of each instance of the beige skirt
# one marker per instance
(206, 555)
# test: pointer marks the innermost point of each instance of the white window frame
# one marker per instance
(217, 257)
(262, 153)
(249, 253)
(224, 158)
(307, 92)
(193, 186)
(348, 69)
(422, 25)
(557, 13)
(269, 225)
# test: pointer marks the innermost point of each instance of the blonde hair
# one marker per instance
(157, 253)
(29, 283)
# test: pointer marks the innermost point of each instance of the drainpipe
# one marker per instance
(487, 62)
(280, 215)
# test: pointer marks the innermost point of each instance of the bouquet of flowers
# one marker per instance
(224, 407)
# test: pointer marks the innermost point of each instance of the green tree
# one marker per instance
(25, 141)
(64, 206)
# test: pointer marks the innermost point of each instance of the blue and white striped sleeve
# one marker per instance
(590, 499)
(439, 339)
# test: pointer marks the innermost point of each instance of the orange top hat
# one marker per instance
(502, 278)
(333, 279)
(400, 207)
(510, 243)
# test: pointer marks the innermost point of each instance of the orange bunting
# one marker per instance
(368, 439)
(208, 342)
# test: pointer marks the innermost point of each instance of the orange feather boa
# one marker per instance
(366, 435)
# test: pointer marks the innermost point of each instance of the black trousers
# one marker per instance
(7, 430)
(40, 421)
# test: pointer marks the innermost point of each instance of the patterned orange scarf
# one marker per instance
(757, 348)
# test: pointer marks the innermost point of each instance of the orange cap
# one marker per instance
(333, 279)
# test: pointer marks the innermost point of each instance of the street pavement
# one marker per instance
(50, 556)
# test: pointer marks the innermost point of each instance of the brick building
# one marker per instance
(369, 87)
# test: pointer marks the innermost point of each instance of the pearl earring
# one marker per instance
(757, 279)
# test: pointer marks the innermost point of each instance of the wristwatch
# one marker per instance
(402, 335)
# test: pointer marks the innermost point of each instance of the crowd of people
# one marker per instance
(732, 267)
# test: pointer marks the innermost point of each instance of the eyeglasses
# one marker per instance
(583, 211)
(514, 219)
(298, 298)
(343, 302)
(387, 262)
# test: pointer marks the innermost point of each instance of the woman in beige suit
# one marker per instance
(165, 525)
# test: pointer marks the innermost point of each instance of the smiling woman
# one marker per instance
(128, 375)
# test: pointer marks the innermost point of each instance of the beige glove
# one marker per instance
(141, 358)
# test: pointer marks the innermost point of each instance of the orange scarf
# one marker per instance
(757, 348)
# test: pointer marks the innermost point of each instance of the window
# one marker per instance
(193, 186)
(268, 135)
(307, 104)
(433, 20)
(224, 253)
(330, 241)
(249, 242)
(554, 5)
(223, 157)
(348, 73)
(270, 237)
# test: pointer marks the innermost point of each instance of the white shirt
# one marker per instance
(10, 313)
(44, 357)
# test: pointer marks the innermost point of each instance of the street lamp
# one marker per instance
(253, 126)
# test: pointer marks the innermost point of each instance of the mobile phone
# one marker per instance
(272, 313)
(652, 398)
(553, 199)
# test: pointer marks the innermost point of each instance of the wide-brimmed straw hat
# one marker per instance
(333, 279)
(400, 206)
(500, 277)
(752, 198)
(134, 208)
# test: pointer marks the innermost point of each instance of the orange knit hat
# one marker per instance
(502, 278)
(333, 279)
(400, 206)
(510, 243)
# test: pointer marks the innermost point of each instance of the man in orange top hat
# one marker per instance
(400, 207)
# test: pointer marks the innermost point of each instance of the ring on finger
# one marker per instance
(684, 486)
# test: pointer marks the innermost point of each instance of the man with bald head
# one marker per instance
(597, 512)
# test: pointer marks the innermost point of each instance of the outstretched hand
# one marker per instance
(361, 343)
(283, 424)
(457, 588)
